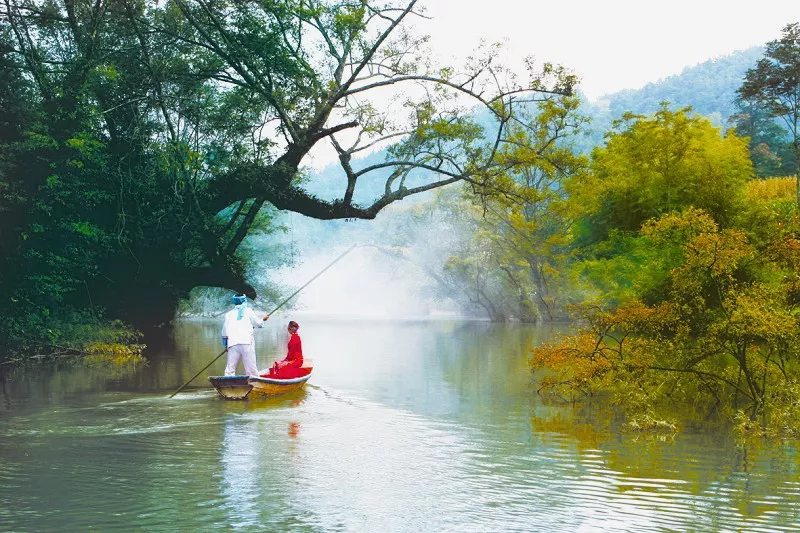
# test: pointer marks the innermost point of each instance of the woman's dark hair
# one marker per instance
(293, 324)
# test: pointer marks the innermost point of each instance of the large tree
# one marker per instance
(160, 135)
(770, 149)
(314, 68)
(177, 123)
(774, 84)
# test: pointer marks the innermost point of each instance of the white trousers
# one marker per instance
(245, 352)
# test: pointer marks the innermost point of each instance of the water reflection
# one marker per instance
(239, 459)
(405, 426)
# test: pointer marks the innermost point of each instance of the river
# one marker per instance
(405, 425)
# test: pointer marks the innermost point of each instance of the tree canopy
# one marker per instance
(150, 139)
(691, 273)
(652, 165)
(774, 85)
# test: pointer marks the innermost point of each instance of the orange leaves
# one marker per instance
(718, 252)
(584, 362)
(786, 251)
(759, 314)
(614, 351)
(578, 361)
(633, 317)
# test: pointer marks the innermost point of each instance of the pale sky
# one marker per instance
(610, 44)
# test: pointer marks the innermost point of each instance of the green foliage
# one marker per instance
(724, 329)
(770, 149)
(102, 193)
(654, 165)
(519, 222)
(773, 86)
(621, 267)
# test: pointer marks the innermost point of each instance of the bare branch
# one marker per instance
(333, 129)
(344, 88)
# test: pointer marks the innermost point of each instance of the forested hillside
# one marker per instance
(709, 88)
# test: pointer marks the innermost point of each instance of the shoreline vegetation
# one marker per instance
(713, 323)
(151, 156)
(113, 345)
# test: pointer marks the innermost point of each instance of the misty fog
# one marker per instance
(386, 273)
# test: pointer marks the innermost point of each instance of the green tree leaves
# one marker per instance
(695, 302)
(774, 85)
(654, 165)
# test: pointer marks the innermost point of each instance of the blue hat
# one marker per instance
(239, 299)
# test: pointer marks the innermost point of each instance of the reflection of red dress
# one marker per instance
(294, 358)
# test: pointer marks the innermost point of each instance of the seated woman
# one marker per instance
(287, 367)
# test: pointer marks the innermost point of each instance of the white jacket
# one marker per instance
(240, 331)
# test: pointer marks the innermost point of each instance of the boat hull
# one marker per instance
(232, 387)
(267, 386)
(244, 387)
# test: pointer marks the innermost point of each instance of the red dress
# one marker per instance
(295, 353)
(286, 368)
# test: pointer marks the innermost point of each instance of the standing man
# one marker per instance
(237, 336)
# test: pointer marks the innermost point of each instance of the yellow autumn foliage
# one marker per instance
(772, 189)
(722, 331)
(114, 353)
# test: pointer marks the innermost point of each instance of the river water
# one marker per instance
(404, 426)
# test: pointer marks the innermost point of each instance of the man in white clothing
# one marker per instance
(237, 336)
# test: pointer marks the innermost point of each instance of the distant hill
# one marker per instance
(709, 87)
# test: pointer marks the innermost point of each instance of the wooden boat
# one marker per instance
(240, 387)
(266, 385)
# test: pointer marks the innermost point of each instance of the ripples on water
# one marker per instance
(379, 455)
